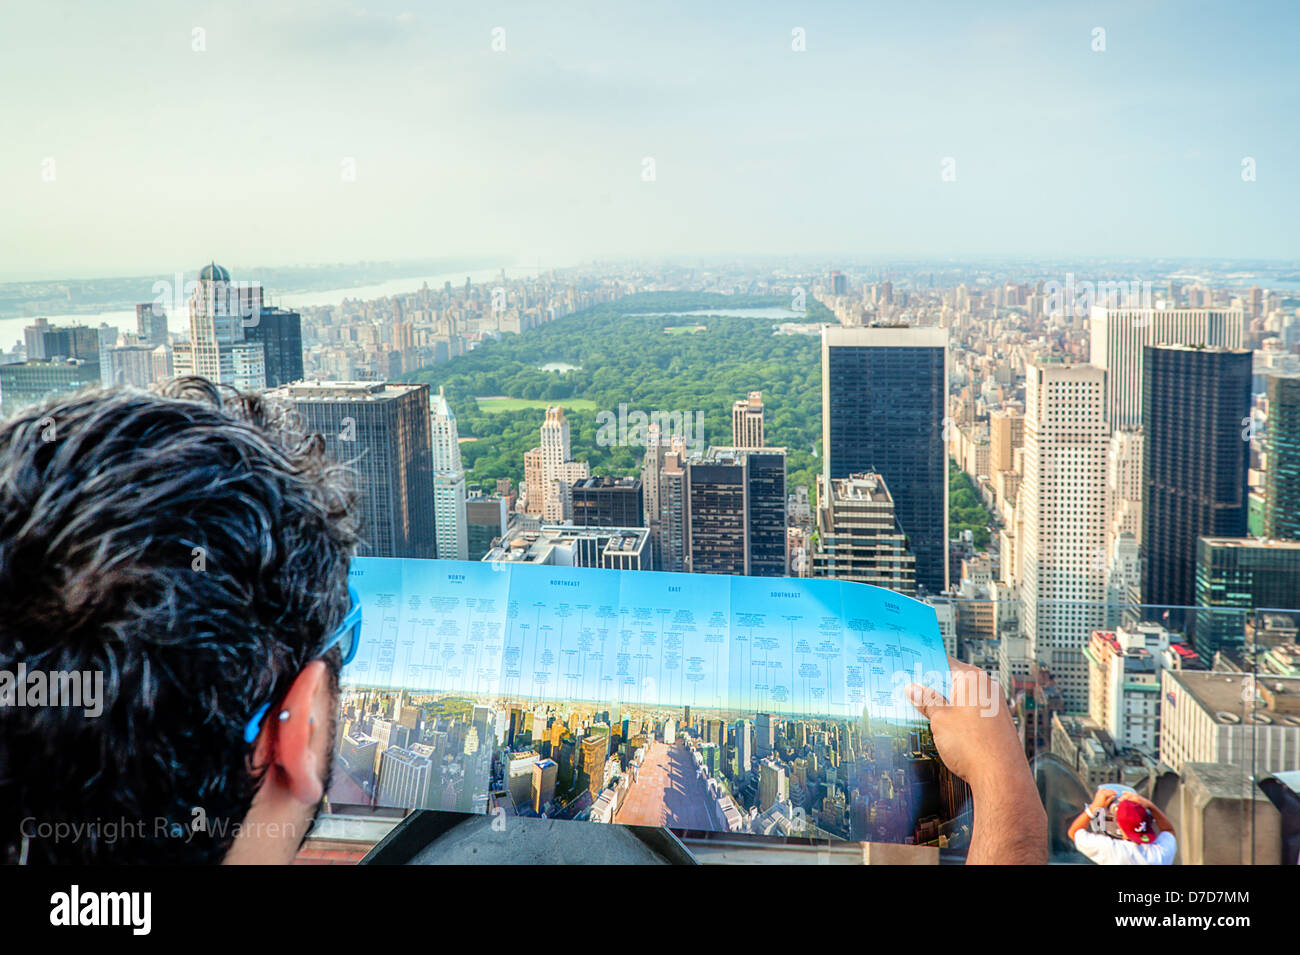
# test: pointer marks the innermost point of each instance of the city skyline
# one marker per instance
(685, 767)
(1042, 546)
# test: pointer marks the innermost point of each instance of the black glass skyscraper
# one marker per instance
(608, 502)
(767, 512)
(1282, 452)
(280, 333)
(1195, 455)
(883, 404)
(736, 512)
(1236, 576)
(383, 432)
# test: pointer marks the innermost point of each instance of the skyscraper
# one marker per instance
(555, 453)
(406, 777)
(534, 483)
(1124, 485)
(151, 324)
(1063, 520)
(485, 521)
(735, 512)
(1194, 462)
(448, 482)
(1006, 434)
(608, 502)
(1120, 335)
(747, 421)
(219, 349)
(45, 341)
(651, 464)
(883, 400)
(1242, 574)
(549, 470)
(663, 484)
(767, 502)
(773, 786)
(858, 536)
(128, 365)
(595, 750)
(383, 432)
(280, 333)
(1282, 457)
(671, 553)
(744, 733)
(764, 734)
(545, 773)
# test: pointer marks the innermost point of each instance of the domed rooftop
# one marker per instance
(214, 273)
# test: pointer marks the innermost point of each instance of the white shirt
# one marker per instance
(1106, 850)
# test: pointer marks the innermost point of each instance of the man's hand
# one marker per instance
(973, 731)
(1103, 799)
(977, 740)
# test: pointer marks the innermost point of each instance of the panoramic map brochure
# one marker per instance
(753, 705)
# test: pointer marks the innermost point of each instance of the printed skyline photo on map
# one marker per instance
(697, 702)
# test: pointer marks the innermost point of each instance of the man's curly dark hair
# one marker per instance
(193, 545)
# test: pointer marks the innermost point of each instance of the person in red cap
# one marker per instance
(1141, 834)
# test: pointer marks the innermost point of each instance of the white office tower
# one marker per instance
(773, 784)
(558, 472)
(1123, 523)
(1124, 486)
(744, 746)
(1063, 583)
(651, 465)
(764, 734)
(1123, 578)
(221, 311)
(450, 520)
(1118, 336)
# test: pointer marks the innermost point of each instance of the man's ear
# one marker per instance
(297, 745)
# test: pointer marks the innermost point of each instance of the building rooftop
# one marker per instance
(728, 455)
(1215, 349)
(1225, 696)
(885, 336)
(861, 487)
(553, 543)
(343, 391)
(1220, 780)
(1252, 542)
(405, 756)
(589, 483)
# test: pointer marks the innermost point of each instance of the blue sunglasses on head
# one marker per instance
(347, 638)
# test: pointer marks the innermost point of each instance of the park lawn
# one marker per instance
(491, 403)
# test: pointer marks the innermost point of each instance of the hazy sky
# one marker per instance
(164, 157)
